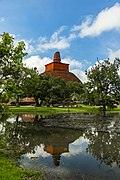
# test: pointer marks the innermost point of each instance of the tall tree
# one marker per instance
(11, 67)
(31, 84)
(104, 83)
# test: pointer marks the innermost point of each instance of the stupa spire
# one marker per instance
(57, 57)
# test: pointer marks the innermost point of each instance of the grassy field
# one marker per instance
(10, 170)
(50, 110)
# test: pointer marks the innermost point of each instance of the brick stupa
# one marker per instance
(59, 69)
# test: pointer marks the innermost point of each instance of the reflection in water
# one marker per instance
(95, 150)
(56, 150)
(1, 127)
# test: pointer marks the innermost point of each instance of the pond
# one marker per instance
(65, 146)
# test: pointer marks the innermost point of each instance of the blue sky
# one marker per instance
(81, 30)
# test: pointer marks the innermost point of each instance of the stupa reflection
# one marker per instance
(56, 151)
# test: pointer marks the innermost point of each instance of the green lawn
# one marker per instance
(50, 110)
(10, 170)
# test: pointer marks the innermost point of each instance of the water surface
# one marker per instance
(66, 146)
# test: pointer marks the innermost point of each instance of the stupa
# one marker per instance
(59, 69)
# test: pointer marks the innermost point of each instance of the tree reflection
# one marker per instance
(104, 147)
(23, 136)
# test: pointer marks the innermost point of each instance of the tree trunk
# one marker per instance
(37, 101)
(17, 119)
(104, 107)
(48, 102)
(104, 110)
(17, 101)
(41, 103)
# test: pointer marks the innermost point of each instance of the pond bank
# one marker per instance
(10, 170)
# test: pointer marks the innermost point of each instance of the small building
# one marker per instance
(59, 69)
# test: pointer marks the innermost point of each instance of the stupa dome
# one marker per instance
(59, 69)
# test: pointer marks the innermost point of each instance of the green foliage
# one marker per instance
(11, 67)
(32, 84)
(56, 91)
(103, 86)
(8, 170)
(48, 90)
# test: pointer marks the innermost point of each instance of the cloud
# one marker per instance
(77, 147)
(37, 61)
(30, 47)
(108, 19)
(75, 67)
(2, 19)
(113, 54)
(56, 41)
(39, 152)
(80, 74)
(73, 63)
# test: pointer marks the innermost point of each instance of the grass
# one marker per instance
(50, 110)
(9, 170)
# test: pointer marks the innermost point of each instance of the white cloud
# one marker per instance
(113, 54)
(36, 61)
(2, 19)
(80, 74)
(73, 63)
(56, 41)
(72, 36)
(39, 152)
(54, 44)
(108, 19)
(77, 147)
(30, 48)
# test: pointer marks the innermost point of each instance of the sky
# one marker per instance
(81, 30)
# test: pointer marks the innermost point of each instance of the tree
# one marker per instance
(56, 91)
(73, 91)
(103, 84)
(11, 66)
(32, 84)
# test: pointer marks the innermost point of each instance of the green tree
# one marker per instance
(73, 92)
(56, 92)
(103, 86)
(32, 84)
(11, 66)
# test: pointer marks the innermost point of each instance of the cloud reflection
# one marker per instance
(78, 146)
